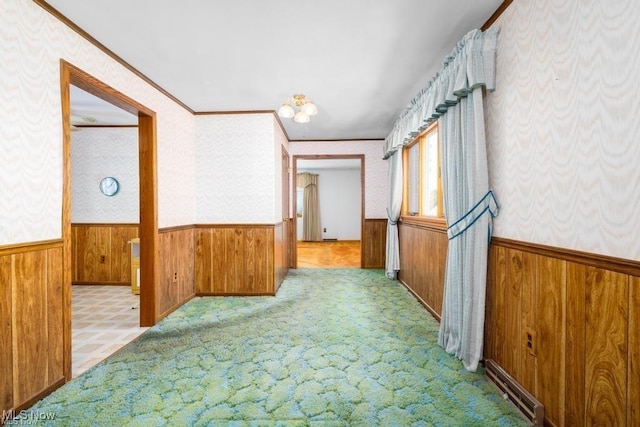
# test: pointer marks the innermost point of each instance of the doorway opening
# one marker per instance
(75, 79)
(329, 208)
(105, 301)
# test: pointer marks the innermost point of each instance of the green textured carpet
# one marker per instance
(335, 347)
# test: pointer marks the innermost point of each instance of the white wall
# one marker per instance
(562, 126)
(237, 174)
(280, 141)
(375, 180)
(97, 153)
(340, 203)
(33, 42)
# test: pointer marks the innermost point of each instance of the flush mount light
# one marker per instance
(306, 109)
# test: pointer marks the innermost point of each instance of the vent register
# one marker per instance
(529, 406)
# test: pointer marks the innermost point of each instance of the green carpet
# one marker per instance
(335, 347)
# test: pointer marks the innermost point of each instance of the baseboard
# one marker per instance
(228, 294)
(175, 307)
(423, 302)
(39, 396)
(101, 283)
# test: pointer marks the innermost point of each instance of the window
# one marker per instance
(422, 181)
(299, 201)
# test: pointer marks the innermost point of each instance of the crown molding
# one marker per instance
(53, 11)
(505, 4)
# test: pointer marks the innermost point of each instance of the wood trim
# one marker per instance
(425, 223)
(176, 228)
(222, 113)
(177, 306)
(430, 309)
(241, 294)
(67, 250)
(493, 18)
(88, 83)
(363, 235)
(45, 392)
(149, 238)
(338, 140)
(218, 225)
(326, 157)
(105, 126)
(101, 284)
(101, 224)
(30, 246)
(53, 11)
(618, 265)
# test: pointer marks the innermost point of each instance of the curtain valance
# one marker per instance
(304, 179)
(471, 64)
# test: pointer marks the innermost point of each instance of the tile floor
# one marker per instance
(104, 319)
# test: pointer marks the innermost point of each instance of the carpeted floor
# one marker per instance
(335, 347)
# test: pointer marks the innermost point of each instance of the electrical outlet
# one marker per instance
(530, 340)
(103, 259)
(175, 277)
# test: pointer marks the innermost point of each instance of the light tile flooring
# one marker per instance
(104, 319)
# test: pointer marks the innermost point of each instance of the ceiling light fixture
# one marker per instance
(306, 109)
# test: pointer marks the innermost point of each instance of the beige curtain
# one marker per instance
(310, 207)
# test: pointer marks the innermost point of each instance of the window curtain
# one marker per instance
(394, 204)
(310, 206)
(454, 97)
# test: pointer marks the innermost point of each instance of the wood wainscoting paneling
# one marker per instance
(374, 243)
(101, 253)
(282, 253)
(236, 259)
(32, 323)
(633, 359)
(423, 252)
(177, 267)
(581, 311)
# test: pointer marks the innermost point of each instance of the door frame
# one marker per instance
(295, 199)
(148, 227)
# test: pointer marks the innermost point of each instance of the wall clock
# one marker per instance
(109, 186)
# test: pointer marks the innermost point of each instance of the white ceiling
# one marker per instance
(89, 110)
(315, 164)
(361, 61)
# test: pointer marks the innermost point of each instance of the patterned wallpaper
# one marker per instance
(562, 127)
(31, 45)
(236, 171)
(95, 154)
(375, 169)
(280, 141)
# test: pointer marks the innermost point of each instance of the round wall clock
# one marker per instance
(109, 186)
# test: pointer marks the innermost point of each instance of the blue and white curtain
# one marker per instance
(454, 97)
(394, 205)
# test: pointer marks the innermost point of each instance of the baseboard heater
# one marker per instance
(530, 407)
(330, 240)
